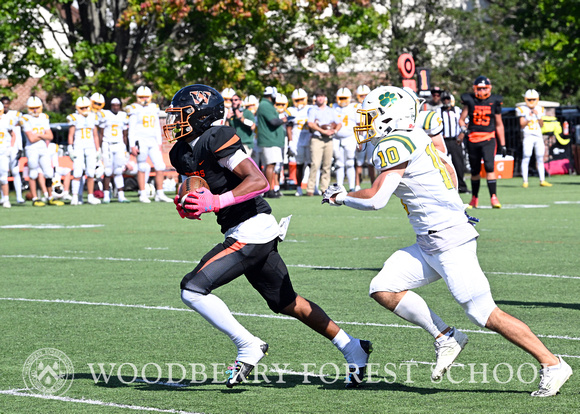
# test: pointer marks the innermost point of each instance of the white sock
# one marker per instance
(525, 166)
(45, 194)
(340, 175)
(350, 176)
(75, 187)
(107, 195)
(119, 181)
(160, 192)
(121, 195)
(17, 186)
(541, 170)
(216, 312)
(341, 340)
(350, 347)
(414, 309)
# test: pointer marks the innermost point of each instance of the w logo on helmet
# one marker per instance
(200, 96)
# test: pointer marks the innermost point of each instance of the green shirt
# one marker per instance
(244, 132)
(268, 135)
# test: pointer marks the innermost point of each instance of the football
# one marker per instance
(190, 185)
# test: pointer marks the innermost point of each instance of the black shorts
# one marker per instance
(481, 150)
(260, 263)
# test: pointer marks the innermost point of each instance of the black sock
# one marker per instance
(475, 187)
(492, 186)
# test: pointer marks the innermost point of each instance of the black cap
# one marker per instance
(481, 81)
(436, 89)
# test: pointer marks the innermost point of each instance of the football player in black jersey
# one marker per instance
(484, 130)
(211, 150)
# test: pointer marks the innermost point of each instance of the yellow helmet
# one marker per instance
(97, 101)
(144, 95)
(532, 97)
(83, 105)
(34, 105)
(281, 102)
(251, 103)
(228, 94)
(343, 97)
(299, 98)
(361, 92)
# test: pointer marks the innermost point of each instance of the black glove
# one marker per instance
(503, 150)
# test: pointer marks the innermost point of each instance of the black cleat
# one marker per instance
(357, 374)
(241, 370)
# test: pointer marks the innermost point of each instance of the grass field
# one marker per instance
(101, 284)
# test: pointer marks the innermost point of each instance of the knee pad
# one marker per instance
(349, 163)
(33, 174)
(144, 167)
(479, 308)
(4, 179)
(109, 171)
(117, 171)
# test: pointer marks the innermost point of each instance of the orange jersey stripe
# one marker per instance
(232, 140)
(481, 136)
(232, 249)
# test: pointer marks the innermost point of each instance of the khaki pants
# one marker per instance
(321, 153)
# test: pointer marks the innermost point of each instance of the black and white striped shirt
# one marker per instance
(450, 122)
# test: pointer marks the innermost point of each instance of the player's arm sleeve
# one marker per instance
(385, 188)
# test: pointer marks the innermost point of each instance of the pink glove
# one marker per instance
(202, 201)
(182, 212)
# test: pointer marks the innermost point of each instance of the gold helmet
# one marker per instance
(299, 98)
(97, 101)
(34, 105)
(361, 92)
(343, 97)
(251, 103)
(144, 95)
(532, 98)
(83, 105)
(281, 103)
(228, 94)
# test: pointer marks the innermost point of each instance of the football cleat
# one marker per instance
(6, 204)
(160, 197)
(144, 199)
(38, 203)
(545, 184)
(124, 200)
(242, 370)
(473, 203)
(357, 374)
(552, 379)
(93, 200)
(495, 202)
(53, 202)
(525, 184)
(447, 349)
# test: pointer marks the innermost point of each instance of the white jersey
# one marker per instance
(426, 189)
(15, 118)
(5, 134)
(300, 131)
(113, 126)
(84, 128)
(144, 123)
(430, 122)
(533, 128)
(37, 125)
(348, 119)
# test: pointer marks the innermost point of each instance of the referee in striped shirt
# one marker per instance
(450, 115)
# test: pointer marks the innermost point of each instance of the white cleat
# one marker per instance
(74, 201)
(447, 349)
(144, 199)
(94, 201)
(163, 198)
(552, 379)
(6, 204)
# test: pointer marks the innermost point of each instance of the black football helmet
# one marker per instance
(193, 110)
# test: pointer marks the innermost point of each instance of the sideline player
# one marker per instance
(7, 142)
(484, 131)
(531, 123)
(145, 141)
(344, 142)
(446, 242)
(114, 146)
(83, 149)
(299, 135)
(251, 233)
(17, 150)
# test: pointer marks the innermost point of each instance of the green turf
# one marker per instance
(139, 253)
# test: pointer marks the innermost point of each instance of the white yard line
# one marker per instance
(194, 262)
(256, 315)
(19, 393)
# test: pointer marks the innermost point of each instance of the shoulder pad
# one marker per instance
(520, 111)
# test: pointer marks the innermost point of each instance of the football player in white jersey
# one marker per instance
(364, 152)
(7, 142)
(299, 135)
(145, 141)
(83, 148)
(17, 150)
(36, 128)
(344, 142)
(113, 127)
(446, 242)
(531, 123)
